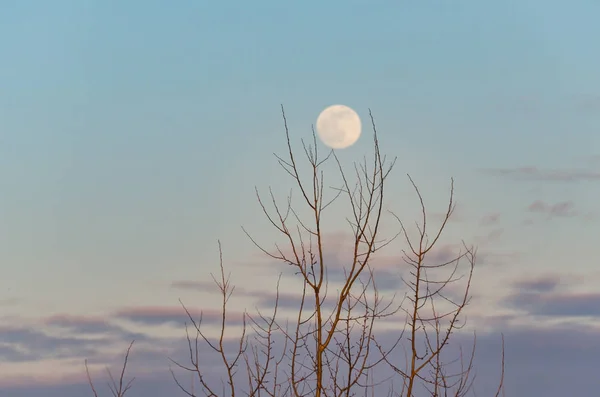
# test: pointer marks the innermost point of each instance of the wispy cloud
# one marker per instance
(560, 305)
(82, 324)
(490, 219)
(549, 296)
(496, 258)
(9, 302)
(175, 315)
(563, 208)
(193, 285)
(530, 173)
(588, 103)
(540, 284)
(26, 344)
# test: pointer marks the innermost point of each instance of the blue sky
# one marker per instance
(132, 135)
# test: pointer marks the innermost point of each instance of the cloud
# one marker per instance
(8, 302)
(588, 103)
(535, 359)
(25, 344)
(530, 173)
(560, 209)
(532, 106)
(386, 279)
(175, 315)
(459, 214)
(490, 219)
(549, 360)
(11, 353)
(144, 386)
(193, 285)
(496, 258)
(489, 237)
(557, 304)
(564, 208)
(263, 298)
(549, 296)
(541, 284)
(594, 159)
(82, 324)
(156, 315)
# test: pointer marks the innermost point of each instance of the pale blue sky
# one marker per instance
(132, 135)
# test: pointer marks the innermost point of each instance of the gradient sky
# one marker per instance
(132, 135)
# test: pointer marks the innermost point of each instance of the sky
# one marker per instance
(133, 134)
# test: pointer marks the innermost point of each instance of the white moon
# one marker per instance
(338, 126)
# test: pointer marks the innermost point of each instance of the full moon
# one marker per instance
(338, 126)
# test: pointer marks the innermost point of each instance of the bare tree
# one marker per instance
(425, 364)
(117, 388)
(329, 344)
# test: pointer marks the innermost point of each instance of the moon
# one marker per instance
(338, 126)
